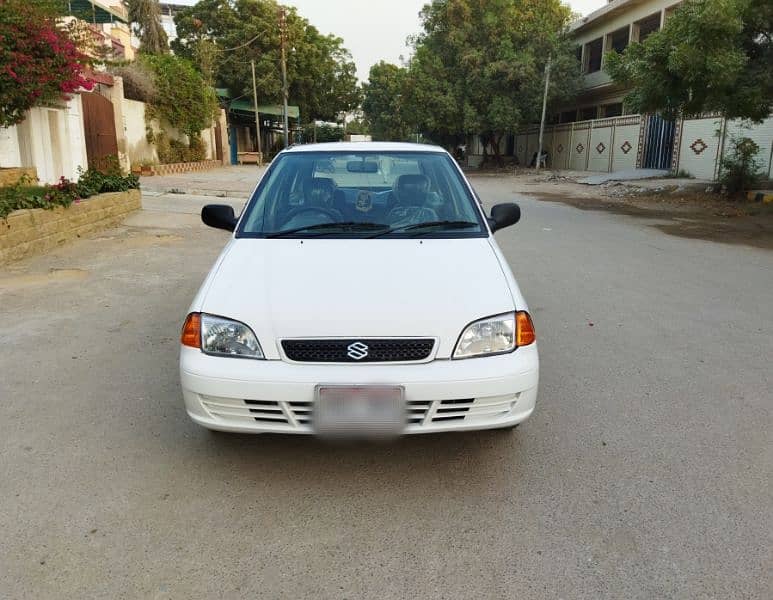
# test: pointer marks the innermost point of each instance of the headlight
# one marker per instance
(495, 335)
(224, 337)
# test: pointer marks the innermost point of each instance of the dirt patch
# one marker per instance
(688, 209)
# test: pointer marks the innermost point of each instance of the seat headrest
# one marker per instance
(414, 180)
(411, 189)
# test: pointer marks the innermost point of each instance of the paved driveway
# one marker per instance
(646, 471)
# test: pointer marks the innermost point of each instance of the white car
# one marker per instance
(361, 293)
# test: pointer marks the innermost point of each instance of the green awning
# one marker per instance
(245, 105)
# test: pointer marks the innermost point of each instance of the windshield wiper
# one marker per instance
(427, 225)
(337, 228)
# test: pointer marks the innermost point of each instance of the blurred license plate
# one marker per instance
(359, 410)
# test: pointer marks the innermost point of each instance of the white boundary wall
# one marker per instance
(601, 145)
(701, 143)
(615, 144)
(50, 139)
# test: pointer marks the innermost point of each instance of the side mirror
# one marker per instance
(504, 215)
(219, 216)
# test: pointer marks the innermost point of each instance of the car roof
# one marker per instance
(364, 147)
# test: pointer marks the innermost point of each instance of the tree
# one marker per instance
(711, 56)
(478, 66)
(180, 95)
(321, 73)
(40, 63)
(358, 126)
(385, 102)
(146, 14)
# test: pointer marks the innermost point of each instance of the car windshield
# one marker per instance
(362, 194)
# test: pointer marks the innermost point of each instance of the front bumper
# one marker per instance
(251, 396)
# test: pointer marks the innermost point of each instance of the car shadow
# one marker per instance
(411, 464)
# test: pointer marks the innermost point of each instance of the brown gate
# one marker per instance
(218, 141)
(99, 126)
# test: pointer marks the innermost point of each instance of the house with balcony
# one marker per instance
(610, 28)
(595, 132)
(109, 21)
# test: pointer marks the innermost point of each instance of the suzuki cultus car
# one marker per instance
(361, 292)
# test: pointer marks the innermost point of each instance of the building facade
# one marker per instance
(594, 132)
(610, 28)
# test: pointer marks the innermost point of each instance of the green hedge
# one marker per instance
(90, 183)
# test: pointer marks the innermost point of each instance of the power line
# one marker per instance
(247, 43)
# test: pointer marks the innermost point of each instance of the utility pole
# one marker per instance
(544, 109)
(283, 38)
(257, 115)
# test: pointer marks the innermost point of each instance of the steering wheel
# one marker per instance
(330, 212)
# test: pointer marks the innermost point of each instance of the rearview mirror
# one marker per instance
(504, 215)
(219, 216)
(361, 166)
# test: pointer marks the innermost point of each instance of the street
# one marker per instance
(646, 471)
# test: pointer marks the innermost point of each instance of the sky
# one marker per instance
(376, 30)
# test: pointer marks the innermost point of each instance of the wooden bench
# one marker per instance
(250, 158)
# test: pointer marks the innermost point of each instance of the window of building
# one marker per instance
(578, 54)
(618, 40)
(568, 116)
(593, 52)
(587, 113)
(646, 26)
(612, 110)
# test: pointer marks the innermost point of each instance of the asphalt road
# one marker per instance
(646, 471)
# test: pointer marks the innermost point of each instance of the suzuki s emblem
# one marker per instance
(357, 350)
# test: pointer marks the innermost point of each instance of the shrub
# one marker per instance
(196, 150)
(182, 98)
(176, 151)
(91, 182)
(94, 182)
(740, 169)
(23, 195)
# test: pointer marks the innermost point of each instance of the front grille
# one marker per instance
(452, 410)
(359, 350)
(295, 415)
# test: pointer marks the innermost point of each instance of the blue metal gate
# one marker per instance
(658, 143)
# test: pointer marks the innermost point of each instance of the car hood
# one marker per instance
(357, 288)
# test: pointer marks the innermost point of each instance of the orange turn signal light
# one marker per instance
(524, 329)
(191, 334)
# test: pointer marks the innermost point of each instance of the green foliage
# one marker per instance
(176, 151)
(24, 194)
(740, 167)
(478, 68)
(384, 103)
(146, 16)
(222, 38)
(182, 97)
(711, 56)
(329, 133)
(358, 126)
(106, 179)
